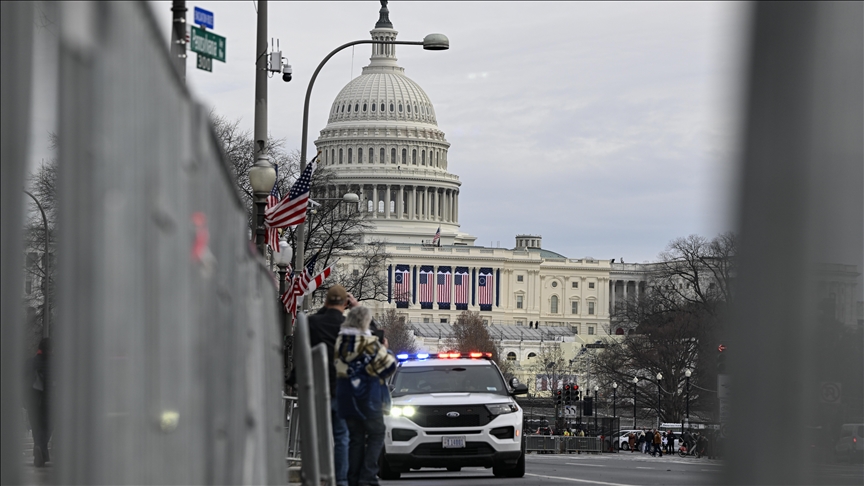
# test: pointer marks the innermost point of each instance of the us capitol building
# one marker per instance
(382, 141)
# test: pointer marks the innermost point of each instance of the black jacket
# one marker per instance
(323, 328)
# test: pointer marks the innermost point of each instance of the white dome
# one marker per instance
(382, 93)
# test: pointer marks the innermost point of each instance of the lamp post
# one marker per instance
(432, 42)
(687, 374)
(282, 258)
(554, 389)
(596, 408)
(262, 178)
(635, 380)
(659, 377)
(46, 301)
(615, 415)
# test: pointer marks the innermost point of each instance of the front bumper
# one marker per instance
(424, 446)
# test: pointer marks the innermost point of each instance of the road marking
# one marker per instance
(580, 464)
(640, 467)
(586, 481)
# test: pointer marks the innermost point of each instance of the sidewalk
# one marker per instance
(31, 474)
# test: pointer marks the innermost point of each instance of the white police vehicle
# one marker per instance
(452, 411)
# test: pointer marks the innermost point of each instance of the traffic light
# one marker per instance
(721, 360)
(578, 394)
(559, 397)
(588, 407)
(568, 397)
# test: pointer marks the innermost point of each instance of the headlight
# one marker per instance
(407, 411)
(502, 408)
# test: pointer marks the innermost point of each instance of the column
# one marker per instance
(612, 297)
(426, 200)
(625, 290)
(412, 201)
(399, 205)
(456, 207)
(374, 200)
(436, 199)
(387, 202)
(434, 287)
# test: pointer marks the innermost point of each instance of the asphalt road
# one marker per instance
(624, 469)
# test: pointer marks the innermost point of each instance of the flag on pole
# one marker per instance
(437, 239)
(291, 210)
(271, 237)
(319, 279)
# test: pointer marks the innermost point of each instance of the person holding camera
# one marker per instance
(362, 365)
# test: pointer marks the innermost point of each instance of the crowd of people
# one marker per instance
(360, 398)
(656, 442)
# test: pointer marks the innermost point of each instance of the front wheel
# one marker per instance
(384, 469)
(682, 453)
(518, 471)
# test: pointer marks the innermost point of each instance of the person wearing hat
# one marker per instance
(324, 326)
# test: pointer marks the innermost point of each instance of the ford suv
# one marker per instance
(452, 411)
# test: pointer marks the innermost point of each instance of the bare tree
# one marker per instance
(366, 279)
(471, 334)
(398, 333)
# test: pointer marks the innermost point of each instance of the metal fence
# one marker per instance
(548, 444)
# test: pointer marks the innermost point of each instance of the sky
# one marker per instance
(609, 128)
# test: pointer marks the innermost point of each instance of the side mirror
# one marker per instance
(520, 389)
(513, 382)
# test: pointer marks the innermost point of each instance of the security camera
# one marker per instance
(286, 72)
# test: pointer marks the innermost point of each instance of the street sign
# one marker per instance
(205, 63)
(207, 43)
(204, 18)
(831, 392)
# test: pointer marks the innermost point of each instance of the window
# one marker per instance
(574, 307)
(423, 157)
(340, 155)
(332, 156)
(373, 106)
(443, 320)
(554, 284)
(485, 322)
(531, 355)
(356, 107)
(382, 107)
(409, 108)
(380, 157)
(343, 108)
(590, 285)
(426, 320)
(400, 107)
(391, 107)
(518, 301)
(392, 156)
(574, 285)
(590, 330)
(413, 156)
(520, 278)
(511, 356)
(553, 307)
(591, 308)
(364, 107)
(404, 156)
(520, 323)
(349, 107)
(359, 156)
(372, 156)
(350, 158)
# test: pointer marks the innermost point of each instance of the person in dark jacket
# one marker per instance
(362, 365)
(323, 328)
(39, 383)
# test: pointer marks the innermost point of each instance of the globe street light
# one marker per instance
(262, 178)
(614, 415)
(687, 374)
(635, 380)
(659, 377)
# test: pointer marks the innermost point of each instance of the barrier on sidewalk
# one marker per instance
(292, 429)
(542, 443)
(581, 444)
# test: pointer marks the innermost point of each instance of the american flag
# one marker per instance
(486, 289)
(319, 279)
(402, 284)
(271, 237)
(291, 210)
(462, 283)
(444, 287)
(426, 286)
(292, 299)
(308, 271)
(437, 238)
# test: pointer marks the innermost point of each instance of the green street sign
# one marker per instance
(205, 63)
(207, 43)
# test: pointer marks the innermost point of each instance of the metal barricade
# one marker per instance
(546, 444)
(292, 429)
(581, 444)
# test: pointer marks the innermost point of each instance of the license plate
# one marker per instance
(453, 442)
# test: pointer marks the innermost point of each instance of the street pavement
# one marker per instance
(624, 469)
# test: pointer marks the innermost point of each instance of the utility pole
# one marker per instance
(260, 131)
(178, 38)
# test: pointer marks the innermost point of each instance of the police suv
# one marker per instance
(452, 411)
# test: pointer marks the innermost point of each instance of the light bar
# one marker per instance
(446, 355)
(422, 355)
(402, 357)
(476, 355)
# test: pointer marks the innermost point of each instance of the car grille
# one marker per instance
(436, 416)
(470, 449)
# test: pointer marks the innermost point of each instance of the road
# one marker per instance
(625, 469)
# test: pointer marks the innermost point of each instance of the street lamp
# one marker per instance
(282, 259)
(596, 408)
(687, 374)
(262, 178)
(432, 42)
(615, 415)
(46, 302)
(635, 380)
(659, 377)
(554, 389)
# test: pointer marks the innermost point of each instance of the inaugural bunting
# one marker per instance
(426, 287)
(485, 289)
(402, 286)
(462, 284)
(443, 287)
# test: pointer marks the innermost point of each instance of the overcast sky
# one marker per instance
(608, 128)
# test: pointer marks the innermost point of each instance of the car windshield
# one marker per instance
(451, 378)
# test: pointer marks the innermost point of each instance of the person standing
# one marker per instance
(658, 439)
(670, 442)
(324, 327)
(362, 365)
(39, 398)
(631, 441)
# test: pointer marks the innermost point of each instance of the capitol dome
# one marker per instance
(383, 143)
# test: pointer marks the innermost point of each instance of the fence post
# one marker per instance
(306, 397)
(322, 404)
